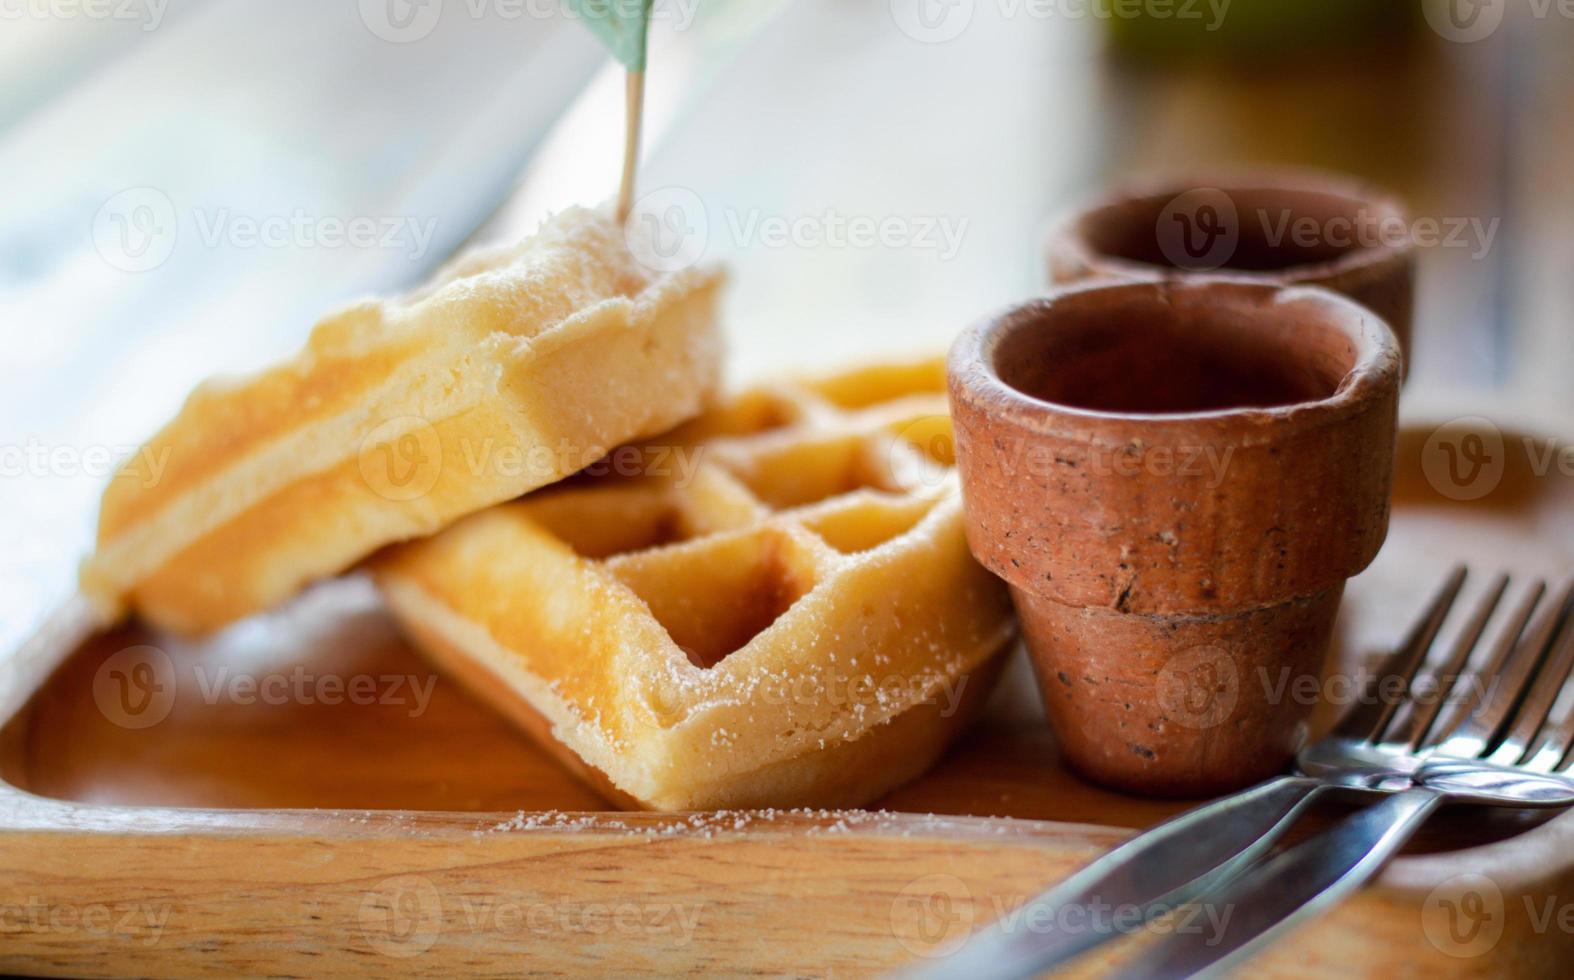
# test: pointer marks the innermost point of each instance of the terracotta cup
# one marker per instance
(1285, 228)
(1176, 478)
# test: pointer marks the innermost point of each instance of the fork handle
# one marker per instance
(1235, 920)
(1141, 878)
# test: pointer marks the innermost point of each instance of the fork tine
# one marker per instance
(1506, 676)
(1366, 721)
(1418, 724)
(1508, 634)
(1557, 745)
(1537, 705)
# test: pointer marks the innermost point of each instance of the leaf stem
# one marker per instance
(635, 109)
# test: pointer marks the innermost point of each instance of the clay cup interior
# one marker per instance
(1176, 478)
(1277, 228)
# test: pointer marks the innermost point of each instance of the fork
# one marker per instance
(1504, 749)
(1182, 858)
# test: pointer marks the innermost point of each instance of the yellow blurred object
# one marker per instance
(1250, 29)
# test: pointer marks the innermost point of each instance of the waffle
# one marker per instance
(513, 369)
(779, 609)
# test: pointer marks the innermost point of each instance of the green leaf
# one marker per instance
(622, 25)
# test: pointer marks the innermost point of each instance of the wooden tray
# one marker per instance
(161, 816)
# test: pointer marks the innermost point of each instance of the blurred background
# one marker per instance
(190, 184)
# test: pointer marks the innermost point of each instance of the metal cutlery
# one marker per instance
(1504, 749)
(1376, 748)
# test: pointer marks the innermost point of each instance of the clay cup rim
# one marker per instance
(1221, 359)
(1119, 232)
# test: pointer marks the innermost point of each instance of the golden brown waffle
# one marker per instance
(780, 610)
(515, 368)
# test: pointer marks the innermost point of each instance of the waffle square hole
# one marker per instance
(866, 524)
(716, 597)
(604, 521)
(749, 414)
(620, 516)
(808, 472)
(931, 436)
(884, 383)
